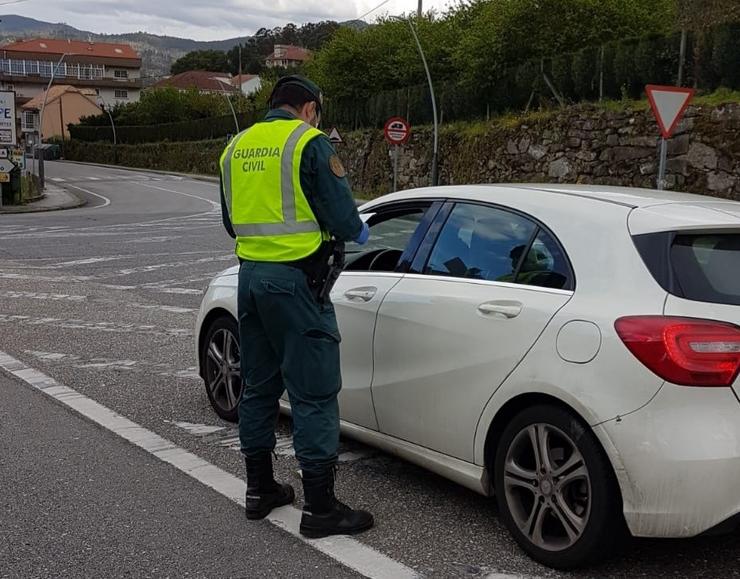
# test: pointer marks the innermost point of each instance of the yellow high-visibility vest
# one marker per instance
(260, 173)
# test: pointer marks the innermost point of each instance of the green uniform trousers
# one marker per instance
(288, 342)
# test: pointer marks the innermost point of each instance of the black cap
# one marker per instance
(296, 80)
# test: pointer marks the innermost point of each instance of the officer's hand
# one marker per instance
(364, 235)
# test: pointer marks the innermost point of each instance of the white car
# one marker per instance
(572, 350)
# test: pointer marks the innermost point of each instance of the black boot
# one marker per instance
(323, 514)
(263, 493)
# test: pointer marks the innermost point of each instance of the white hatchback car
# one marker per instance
(573, 351)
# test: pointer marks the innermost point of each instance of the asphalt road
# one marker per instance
(103, 299)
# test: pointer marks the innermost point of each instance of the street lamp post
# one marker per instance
(106, 108)
(231, 106)
(435, 148)
(41, 114)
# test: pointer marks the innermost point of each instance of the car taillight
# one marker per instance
(684, 351)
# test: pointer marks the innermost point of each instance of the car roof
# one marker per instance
(632, 197)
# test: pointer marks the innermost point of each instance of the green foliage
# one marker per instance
(211, 60)
(586, 73)
(726, 55)
(254, 51)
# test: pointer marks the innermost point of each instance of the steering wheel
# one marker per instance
(379, 255)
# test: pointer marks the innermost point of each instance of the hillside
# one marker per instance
(157, 52)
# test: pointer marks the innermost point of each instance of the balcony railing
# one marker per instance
(43, 69)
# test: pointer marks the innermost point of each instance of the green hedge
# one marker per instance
(196, 130)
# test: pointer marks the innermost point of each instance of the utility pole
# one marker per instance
(419, 10)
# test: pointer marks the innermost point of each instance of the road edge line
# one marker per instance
(345, 550)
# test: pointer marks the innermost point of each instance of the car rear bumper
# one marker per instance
(678, 461)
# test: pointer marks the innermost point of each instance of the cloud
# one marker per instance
(203, 20)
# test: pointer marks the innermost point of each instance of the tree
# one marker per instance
(702, 14)
(211, 60)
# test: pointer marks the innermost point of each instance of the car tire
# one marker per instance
(221, 370)
(556, 490)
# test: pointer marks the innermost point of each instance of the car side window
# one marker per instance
(479, 242)
(391, 232)
(545, 264)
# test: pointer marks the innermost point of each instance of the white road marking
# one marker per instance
(345, 550)
(94, 178)
(57, 179)
(41, 296)
(214, 204)
(76, 361)
(105, 199)
(112, 327)
(197, 428)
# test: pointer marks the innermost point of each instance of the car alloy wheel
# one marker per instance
(548, 487)
(556, 489)
(222, 369)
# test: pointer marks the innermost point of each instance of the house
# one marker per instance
(65, 104)
(112, 71)
(248, 83)
(287, 56)
(204, 81)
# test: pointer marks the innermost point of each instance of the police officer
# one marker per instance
(284, 195)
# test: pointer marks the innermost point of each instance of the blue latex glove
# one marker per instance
(364, 235)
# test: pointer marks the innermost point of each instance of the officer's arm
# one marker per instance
(328, 191)
(225, 213)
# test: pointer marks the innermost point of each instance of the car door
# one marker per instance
(371, 271)
(451, 331)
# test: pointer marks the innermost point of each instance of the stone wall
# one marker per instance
(583, 144)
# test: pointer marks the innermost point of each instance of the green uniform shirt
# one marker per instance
(330, 196)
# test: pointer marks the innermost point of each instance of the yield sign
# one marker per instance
(335, 137)
(669, 104)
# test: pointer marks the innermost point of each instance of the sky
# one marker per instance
(203, 19)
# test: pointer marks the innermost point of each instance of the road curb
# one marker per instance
(18, 209)
(196, 176)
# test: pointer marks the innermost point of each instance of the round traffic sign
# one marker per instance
(397, 131)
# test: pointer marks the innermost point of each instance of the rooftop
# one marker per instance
(73, 47)
(55, 93)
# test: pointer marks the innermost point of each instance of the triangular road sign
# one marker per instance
(335, 137)
(669, 104)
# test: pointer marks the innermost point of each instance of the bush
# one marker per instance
(586, 73)
(625, 75)
(562, 75)
(196, 130)
(656, 60)
(726, 55)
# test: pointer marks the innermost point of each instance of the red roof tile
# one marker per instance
(73, 47)
(290, 52)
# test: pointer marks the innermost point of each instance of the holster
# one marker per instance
(322, 269)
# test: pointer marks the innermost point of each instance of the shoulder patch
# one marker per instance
(336, 167)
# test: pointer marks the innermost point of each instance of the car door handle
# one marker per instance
(364, 294)
(506, 309)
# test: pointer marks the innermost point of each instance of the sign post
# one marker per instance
(8, 134)
(669, 104)
(397, 132)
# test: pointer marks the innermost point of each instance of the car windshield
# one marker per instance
(707, 267)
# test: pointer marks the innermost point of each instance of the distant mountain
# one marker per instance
(157, 52)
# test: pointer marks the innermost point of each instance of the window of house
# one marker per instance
(120, 74)
(121, 94)
(45, 68)
(17, 67)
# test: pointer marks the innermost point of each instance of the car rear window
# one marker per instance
(701, 267)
